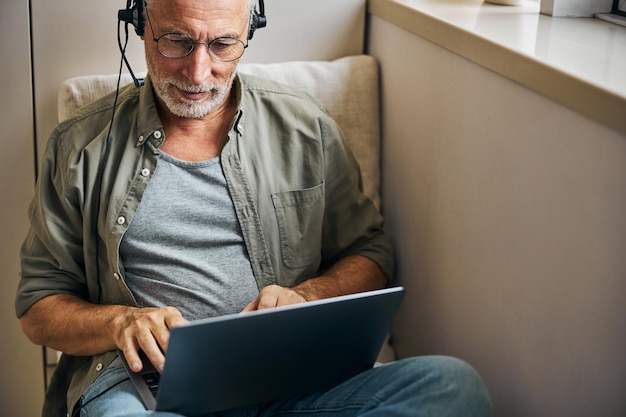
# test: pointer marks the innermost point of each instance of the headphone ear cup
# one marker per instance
(258, 21)
(134, 15)
(253, 22)
(139, 18)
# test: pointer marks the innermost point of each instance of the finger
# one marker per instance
(131, 355)
(252, 305)
(274, 296)
(277, 296)
(264, 299)
(268, 299)
(289, 297)
(172, 318)
(148, 330)
(154, 354)
(175, 319)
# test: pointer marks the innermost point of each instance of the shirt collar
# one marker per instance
(149, 125)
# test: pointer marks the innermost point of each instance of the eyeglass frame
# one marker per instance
(193, 43)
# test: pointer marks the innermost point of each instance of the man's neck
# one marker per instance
(198, 139)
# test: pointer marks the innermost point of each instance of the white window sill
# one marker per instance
(579, 62)
(612, 18)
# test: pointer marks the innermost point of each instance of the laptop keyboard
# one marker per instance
(152, 380)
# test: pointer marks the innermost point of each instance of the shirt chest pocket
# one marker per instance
(299, 215)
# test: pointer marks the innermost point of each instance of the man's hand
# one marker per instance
(274, 296)
(146, 329)
(72, 325)
(349, 275)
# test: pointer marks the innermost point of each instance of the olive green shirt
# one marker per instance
(295, 186)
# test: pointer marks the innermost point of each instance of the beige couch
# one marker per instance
(347, 87)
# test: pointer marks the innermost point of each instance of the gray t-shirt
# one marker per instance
(184, 247)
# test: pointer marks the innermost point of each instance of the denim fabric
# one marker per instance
(420, 386)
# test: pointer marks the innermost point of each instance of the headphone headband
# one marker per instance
(134, 14)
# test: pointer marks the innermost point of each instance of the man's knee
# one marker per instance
(446, 385)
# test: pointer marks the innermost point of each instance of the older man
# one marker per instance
(208, 193)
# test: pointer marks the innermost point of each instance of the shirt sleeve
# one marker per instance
(52, 259)
(352, 224)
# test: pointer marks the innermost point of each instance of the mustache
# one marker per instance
(192, 88)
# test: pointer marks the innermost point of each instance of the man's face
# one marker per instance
(192, 86)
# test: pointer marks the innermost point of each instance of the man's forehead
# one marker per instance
(199, 4)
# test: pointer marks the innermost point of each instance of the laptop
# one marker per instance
(235, 360)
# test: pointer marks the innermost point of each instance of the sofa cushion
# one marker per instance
(347, 87)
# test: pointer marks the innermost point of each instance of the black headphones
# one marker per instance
(134, 14)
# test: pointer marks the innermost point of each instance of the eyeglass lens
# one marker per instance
(174, 45)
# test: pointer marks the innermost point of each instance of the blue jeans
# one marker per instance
(420, 386)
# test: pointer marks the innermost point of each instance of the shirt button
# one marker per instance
(141, 138)
(121, 220)
(99, 367)
(116, 276)
(145, 172)
(157, 134)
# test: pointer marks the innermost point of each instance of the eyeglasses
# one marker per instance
(178, 45)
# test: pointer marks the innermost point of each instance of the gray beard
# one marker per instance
(191, 109)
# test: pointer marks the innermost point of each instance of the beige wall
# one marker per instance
(508, 212)
(21, 387)
(71, 38)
